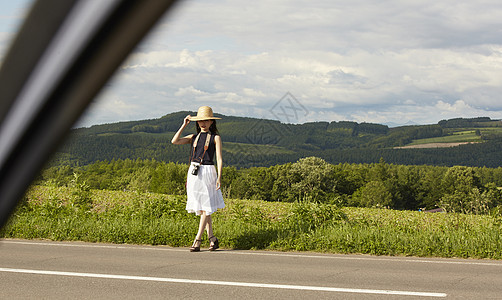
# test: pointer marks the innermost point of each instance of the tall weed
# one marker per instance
(146, 218)
(307, 216)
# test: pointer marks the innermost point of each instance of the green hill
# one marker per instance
(259, 142)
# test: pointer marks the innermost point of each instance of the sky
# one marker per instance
(385, 62)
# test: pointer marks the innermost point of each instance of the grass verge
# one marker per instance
(136, 218)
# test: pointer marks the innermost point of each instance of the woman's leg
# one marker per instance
(209, 226)
(202, 226)
(213, 241)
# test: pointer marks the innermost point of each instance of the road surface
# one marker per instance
(76, 270)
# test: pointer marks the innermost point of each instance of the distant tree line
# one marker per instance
(469, 122)
(456, 189)
(335, 142)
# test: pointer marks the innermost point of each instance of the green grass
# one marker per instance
(459, 136)
(135, 218)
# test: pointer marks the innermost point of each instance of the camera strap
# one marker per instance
(206, 146)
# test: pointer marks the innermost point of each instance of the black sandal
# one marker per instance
(194, 248)
(214, 244)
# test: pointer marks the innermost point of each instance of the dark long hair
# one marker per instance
(212, 128)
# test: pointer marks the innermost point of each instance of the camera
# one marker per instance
(195, 169)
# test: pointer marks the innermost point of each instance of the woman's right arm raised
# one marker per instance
(177, 139)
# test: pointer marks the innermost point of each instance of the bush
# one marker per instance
(465, 194)
(307, 216)
(81, 193)
(312, 179)
(169, 178)
(374, 194)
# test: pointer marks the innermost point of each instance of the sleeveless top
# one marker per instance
(199, 149)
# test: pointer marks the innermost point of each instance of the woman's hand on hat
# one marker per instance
(186, 121)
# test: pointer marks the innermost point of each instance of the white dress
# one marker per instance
(202, 194)
(201, 188)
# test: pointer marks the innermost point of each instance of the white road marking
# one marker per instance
(226, 283)
(256, 253)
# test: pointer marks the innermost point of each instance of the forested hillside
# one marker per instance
(258, 142)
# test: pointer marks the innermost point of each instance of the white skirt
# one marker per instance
(202, 194)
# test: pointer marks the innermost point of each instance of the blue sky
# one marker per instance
(11, 14)
(387, 62)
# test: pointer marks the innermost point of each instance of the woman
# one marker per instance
(203, 182)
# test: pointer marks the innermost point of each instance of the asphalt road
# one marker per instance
(75, 270)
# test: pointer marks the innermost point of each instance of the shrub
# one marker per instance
(80, 193)
(308, 216)
(169, 178)
(463, 192)
(312, 178)
(374, 194)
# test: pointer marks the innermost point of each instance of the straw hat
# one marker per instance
(204, 113)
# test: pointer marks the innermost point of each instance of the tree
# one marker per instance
(169, 178)
(373, 194)
(260, 181)
(463, 192)
(313, 179)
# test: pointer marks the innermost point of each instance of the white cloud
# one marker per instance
(253, 93)
(320, 80)
(367, 61)
(189, 92)
(458, 106)
(110, 111)
(422, 114)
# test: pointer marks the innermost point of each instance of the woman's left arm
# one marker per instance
(219, 160)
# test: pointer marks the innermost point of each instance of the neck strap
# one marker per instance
(206, 146)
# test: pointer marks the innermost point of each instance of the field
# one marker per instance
(434, 145)
(454, 137)
(59, 213)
